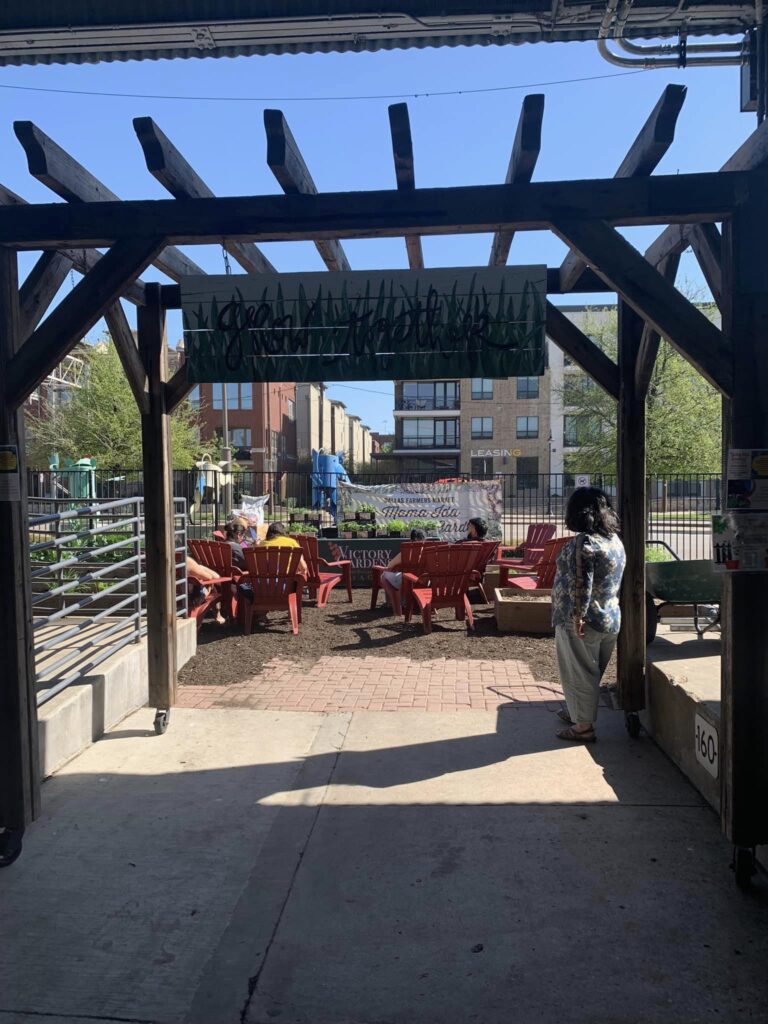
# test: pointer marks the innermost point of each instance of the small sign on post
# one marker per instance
(10, 480)
(582, 479)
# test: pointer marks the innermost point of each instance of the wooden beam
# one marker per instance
(177, 388)
(388, 214)
(707, 244)
(651, 143)
(287, 164)
(40, 288)
(405, 174)
(52, 165)
(19, 772)
(567, 336)
(656, 300)
(82, 260)
(525, 153)
(68, 323)
(651, 339)
(175, 173)
(125, 346)
(752, 155)
(632, 502)
(744, 697)
(158, 508)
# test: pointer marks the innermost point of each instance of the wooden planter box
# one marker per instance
(521, 612)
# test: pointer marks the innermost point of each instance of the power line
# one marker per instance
(370, 391)
(319, 99)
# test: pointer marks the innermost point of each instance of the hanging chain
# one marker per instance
(225, 254)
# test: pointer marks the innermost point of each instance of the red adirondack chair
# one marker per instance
(533, 550)
(319, 581)
(214, 596)
(411, 562)
(486, 551)
(545, 569)
(275, 584)
(443, 583)
(218, 557)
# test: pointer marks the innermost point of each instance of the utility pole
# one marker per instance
(226, 454)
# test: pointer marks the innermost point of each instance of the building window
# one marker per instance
(482, 388)
(527, 474)
(527, 387)
(239, 396)
(430, 433)
(274, 443)
(240, 437)
(194, 397)
(527, 426)
(577, 430)
(291, 410)
(424, 395)
(482, 427)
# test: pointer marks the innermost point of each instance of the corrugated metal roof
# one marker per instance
(81, 31)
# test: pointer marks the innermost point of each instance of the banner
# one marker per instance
(450, 505)
(361, 325)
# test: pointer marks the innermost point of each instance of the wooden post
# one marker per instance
(19, 768)
(158, 512)
(744, 721)
(632, 510)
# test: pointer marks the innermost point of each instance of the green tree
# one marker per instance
(100, 420)
(683, 421)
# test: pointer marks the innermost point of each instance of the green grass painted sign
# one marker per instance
(459, 322)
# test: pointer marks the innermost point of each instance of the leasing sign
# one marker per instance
(459, 322)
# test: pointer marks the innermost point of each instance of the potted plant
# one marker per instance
(396, 527)
(417, 524)
(431, 526)
(365, 513)
(348, 529)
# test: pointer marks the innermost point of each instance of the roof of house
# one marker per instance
(80, 31)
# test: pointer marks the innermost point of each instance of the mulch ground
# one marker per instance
(226, 657)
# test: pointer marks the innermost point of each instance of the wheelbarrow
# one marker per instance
(682, 583)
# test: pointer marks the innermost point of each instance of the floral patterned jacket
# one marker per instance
(587, 582)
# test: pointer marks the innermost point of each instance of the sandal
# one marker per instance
(563, 715)
(577, 735)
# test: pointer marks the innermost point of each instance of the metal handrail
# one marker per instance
(115, 516)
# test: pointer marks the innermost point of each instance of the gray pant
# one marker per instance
(582, 662)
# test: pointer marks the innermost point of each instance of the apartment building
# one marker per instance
(324, 423)
(483, 426)
(262, 421)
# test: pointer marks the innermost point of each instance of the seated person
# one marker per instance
(197, 591)
(235, 533)
(392, 577)
(477, 528)
(277, 537)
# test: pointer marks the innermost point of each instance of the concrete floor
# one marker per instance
(377, 868)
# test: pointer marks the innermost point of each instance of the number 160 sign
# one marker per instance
(707, 745)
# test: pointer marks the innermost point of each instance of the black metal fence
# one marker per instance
(678, 507)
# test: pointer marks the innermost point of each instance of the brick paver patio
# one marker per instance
(338, 683)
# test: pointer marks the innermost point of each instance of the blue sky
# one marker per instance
(458, 139)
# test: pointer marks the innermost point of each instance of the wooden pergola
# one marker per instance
(586, 215)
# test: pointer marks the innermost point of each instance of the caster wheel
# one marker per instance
(632, 722)
(743, 865)
(10, 846)
(161, 722)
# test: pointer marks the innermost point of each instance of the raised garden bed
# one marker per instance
(521, 612)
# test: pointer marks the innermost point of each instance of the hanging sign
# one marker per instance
(10, 479)
(740, 542)
(420, 324)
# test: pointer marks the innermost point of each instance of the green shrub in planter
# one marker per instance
(396, 527)
(431, 526)
(348, 528)
(417, 524)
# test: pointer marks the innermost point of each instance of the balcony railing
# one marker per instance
(427, 404)
(428, 442)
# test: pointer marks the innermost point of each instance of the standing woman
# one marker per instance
(585, 607)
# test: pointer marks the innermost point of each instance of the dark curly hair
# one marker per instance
(589, 510)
